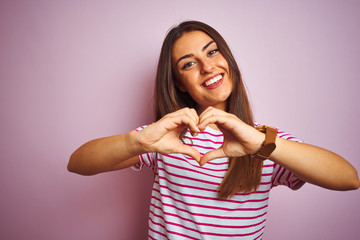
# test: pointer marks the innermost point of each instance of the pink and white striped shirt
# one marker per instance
(184, 203)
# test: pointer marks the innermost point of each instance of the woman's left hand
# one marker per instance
(310, 163)
(239, 138)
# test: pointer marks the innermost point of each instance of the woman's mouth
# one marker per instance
(212, 81)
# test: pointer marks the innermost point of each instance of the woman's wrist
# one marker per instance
(134, 143)
(260, 138)
(267, 144)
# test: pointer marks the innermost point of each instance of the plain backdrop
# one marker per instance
(72, 71)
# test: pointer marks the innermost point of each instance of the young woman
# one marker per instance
(213, 169)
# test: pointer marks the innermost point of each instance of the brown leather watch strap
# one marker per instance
(268, 146)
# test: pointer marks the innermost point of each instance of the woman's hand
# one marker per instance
(310, 163)
(163, 135)
(239, 138)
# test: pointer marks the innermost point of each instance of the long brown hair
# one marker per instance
(244, 173)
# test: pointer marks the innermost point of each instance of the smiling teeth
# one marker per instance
(213, 80)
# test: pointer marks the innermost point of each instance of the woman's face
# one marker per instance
(201, 70)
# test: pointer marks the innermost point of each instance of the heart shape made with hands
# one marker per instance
(239, 138)
(231, 147)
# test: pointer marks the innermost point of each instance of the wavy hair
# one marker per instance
(244, 173)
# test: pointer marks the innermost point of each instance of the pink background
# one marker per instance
(72, 71)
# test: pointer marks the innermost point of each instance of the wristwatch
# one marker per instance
(268, 146)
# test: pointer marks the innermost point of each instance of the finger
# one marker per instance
(225, 121)
(207, 111)
(190, 151)
(211, 113)
(186, 120)
(213, 154)
(182, 111)
(195, 115)
(189, 112)
(192, 112)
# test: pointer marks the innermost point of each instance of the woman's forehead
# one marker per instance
(190, 43)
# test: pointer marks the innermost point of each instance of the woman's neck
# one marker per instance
(221, 106)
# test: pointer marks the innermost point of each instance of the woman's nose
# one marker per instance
(207, 66)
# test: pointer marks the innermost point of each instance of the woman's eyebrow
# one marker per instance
(185, 56)
(207, 45)
(191, 55)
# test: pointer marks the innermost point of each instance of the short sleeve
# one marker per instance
(146, 159)
(282, 176)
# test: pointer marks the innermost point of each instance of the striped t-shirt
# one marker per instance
(184, 203)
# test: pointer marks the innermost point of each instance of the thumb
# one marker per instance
(213, 154)
(190, 151)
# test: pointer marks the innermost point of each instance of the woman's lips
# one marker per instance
(214, 82)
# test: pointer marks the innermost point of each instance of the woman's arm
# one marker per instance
(311, 164)
(316, 165)
(106, 154)
(121, 151)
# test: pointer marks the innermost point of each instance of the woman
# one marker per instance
(213, 169)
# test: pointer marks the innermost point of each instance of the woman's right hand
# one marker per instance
(121, 151)
(163, 135)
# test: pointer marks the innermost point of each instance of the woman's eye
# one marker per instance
(212, 52)
(187, 65)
